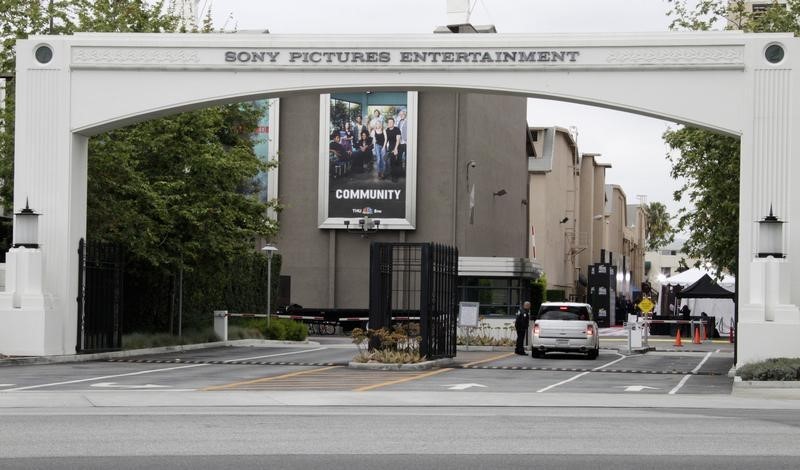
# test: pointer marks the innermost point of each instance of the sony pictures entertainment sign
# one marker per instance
(471, 57)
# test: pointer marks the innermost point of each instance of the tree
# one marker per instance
(659, 229)
(178, 193)
(709, 162)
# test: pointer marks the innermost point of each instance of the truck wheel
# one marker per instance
(594, 353)
(535, 353)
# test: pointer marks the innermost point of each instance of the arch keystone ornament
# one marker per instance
(72, 87)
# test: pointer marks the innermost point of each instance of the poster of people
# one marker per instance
(368, 155)
(261, 140)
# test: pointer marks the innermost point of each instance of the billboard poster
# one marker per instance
(261, 146)
(265, 147)
(368, 159)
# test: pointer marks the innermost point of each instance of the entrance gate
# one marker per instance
(69, 88)
(100, 289)
(409, 278)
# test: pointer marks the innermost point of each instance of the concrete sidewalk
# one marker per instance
(83, 401)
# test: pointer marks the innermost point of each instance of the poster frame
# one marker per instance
(406, 223)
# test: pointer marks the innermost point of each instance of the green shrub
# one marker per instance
(276, 330)
(296, 330)
(555, 295)
(286, 330)
(157, 340)
(399, 345)
(781, 368)
(239, 332)
(538, 293)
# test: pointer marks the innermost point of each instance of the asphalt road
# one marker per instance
(404, 437)
(323, 367)
(300, 407)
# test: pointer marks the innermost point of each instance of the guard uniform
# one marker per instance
(521, 324)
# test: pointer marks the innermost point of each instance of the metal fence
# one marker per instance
(100, 293)
(416, 277)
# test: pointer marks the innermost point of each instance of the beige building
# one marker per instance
(577, 219)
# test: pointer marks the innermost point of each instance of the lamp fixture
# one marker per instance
(26, 228)
(770, 236)
(564, 220)
(365, 226)
(502, 192)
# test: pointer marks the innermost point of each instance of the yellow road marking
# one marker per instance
(494, 358)
(399, 381)
(267, 379)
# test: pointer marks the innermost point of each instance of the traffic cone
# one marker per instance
(705, 333)
(730, 334)
(696, 339)
(678, 338)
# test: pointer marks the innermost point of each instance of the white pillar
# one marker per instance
(50, 172)
(769, 320)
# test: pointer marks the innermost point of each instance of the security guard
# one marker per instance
(521, 324)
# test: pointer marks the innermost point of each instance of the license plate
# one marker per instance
(562, 341)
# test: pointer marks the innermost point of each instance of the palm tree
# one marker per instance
(659, 230)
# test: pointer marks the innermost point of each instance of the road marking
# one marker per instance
(493, 358)
(398, 381)
(563, 382)
(680, 384)
(621, 357)
(274, 355)
(116, 385)
(580, 375)
(638, 388)
(6, 385)
(92, 379)
(696, 369)
(462, 386)
(266, 379)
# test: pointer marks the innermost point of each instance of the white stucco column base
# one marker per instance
(769, 326)
(25, 328)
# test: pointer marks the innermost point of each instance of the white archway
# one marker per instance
(71, 87)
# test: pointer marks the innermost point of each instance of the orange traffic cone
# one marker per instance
(678, 338)
(705, 333)
(696, 339)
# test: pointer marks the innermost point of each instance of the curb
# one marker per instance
(463, 347)
(633, 351)
(385, 366)
(765, 384)
(38, 360)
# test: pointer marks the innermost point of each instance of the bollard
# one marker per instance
(221, 324)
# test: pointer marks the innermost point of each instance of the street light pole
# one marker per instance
(269, 249)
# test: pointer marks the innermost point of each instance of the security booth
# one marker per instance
(499, 284)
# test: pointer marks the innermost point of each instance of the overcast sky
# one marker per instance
(631, 144)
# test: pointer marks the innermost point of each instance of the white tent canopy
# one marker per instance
(690, 276)
(721, 309)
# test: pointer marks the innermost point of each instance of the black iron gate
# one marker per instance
(419, 278)
(100, 289)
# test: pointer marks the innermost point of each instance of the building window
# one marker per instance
(499, 297)
(666, 271)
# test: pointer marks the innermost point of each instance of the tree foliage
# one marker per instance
(709, 162)
(659, 226)
(172, 189)
(179, 193)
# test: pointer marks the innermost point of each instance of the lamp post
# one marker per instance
(269, 249)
